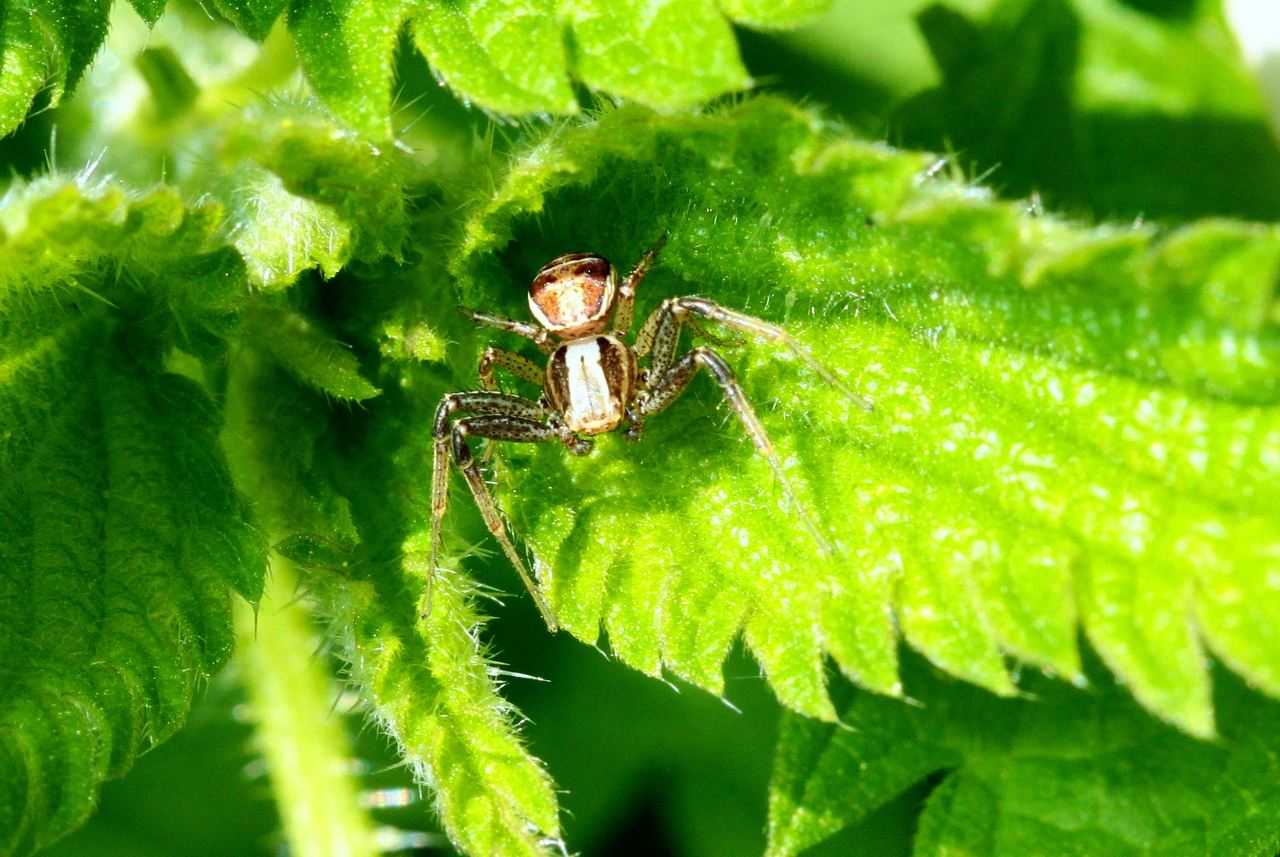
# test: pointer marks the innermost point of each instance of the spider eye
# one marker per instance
(573, 295)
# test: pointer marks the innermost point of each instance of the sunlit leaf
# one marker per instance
(430, 682)
(773, 13)
(121, 535)
(45, 44)
(669, 52)
(304, 192)
(346, 48)
(509, 56)
(1072, 425)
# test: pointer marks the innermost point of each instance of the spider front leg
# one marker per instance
(627, 292)
(668, 387)
(497, 416)
(661, 334)
(540, 335)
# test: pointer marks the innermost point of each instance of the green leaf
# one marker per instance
(46, 44)
(430, 681)
(770, 14)
(310, 354)
(1068, 772)
(121, 536)
(304, 745)
(1125, 63)
(619, 743)
(492, 795)
(172, 89)
(254, 18)
(1065, 97)
(305, 193)
(1073, 425)
(148, 10)
(300, 189)
(507, 55)
(828, 777)
(274, 425)
(668, 53)
(346, 48)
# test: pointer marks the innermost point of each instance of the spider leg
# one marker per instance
(501, 428)
(763, 329)
(673, 382)
(513, 363)
(627, 292)
(644, 339)
(661, 332)
(499, 416)
(699, 331)
(540, 335)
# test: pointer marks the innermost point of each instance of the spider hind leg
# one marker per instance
(661, 332)
(498, 416)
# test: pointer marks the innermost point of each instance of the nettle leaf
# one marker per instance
(46, 45)
(121, 535)
(773, 14)
(347, 48)
(515, 57)
(1064, 97)
(300, 189)
(305, 192)
(666, 53)
(349, 491)
(308, 353)
(1073, 426)
(148, 10)
(254, 18)
(509, 56)
(1069, 771)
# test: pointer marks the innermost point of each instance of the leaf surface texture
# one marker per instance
(121, 535)
(1072, 426)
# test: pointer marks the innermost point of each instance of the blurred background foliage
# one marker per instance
(1105, 109)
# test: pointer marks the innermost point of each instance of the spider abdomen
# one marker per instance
(590, 381)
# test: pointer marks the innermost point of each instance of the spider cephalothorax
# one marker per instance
(593, 382)
(572, 296)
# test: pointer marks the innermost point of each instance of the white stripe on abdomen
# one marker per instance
(592, 407)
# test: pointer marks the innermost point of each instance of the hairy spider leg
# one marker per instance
(655, 335)
(623, 315)
(673, 381)
(498, 416)
(540, 335)
(699, 331)
(493, 358)
(501, 428)
(513, 363)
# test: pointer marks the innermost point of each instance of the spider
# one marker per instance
(593, 382)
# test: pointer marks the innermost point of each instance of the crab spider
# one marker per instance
(593, 383)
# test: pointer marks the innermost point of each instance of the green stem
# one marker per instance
(301, 739)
